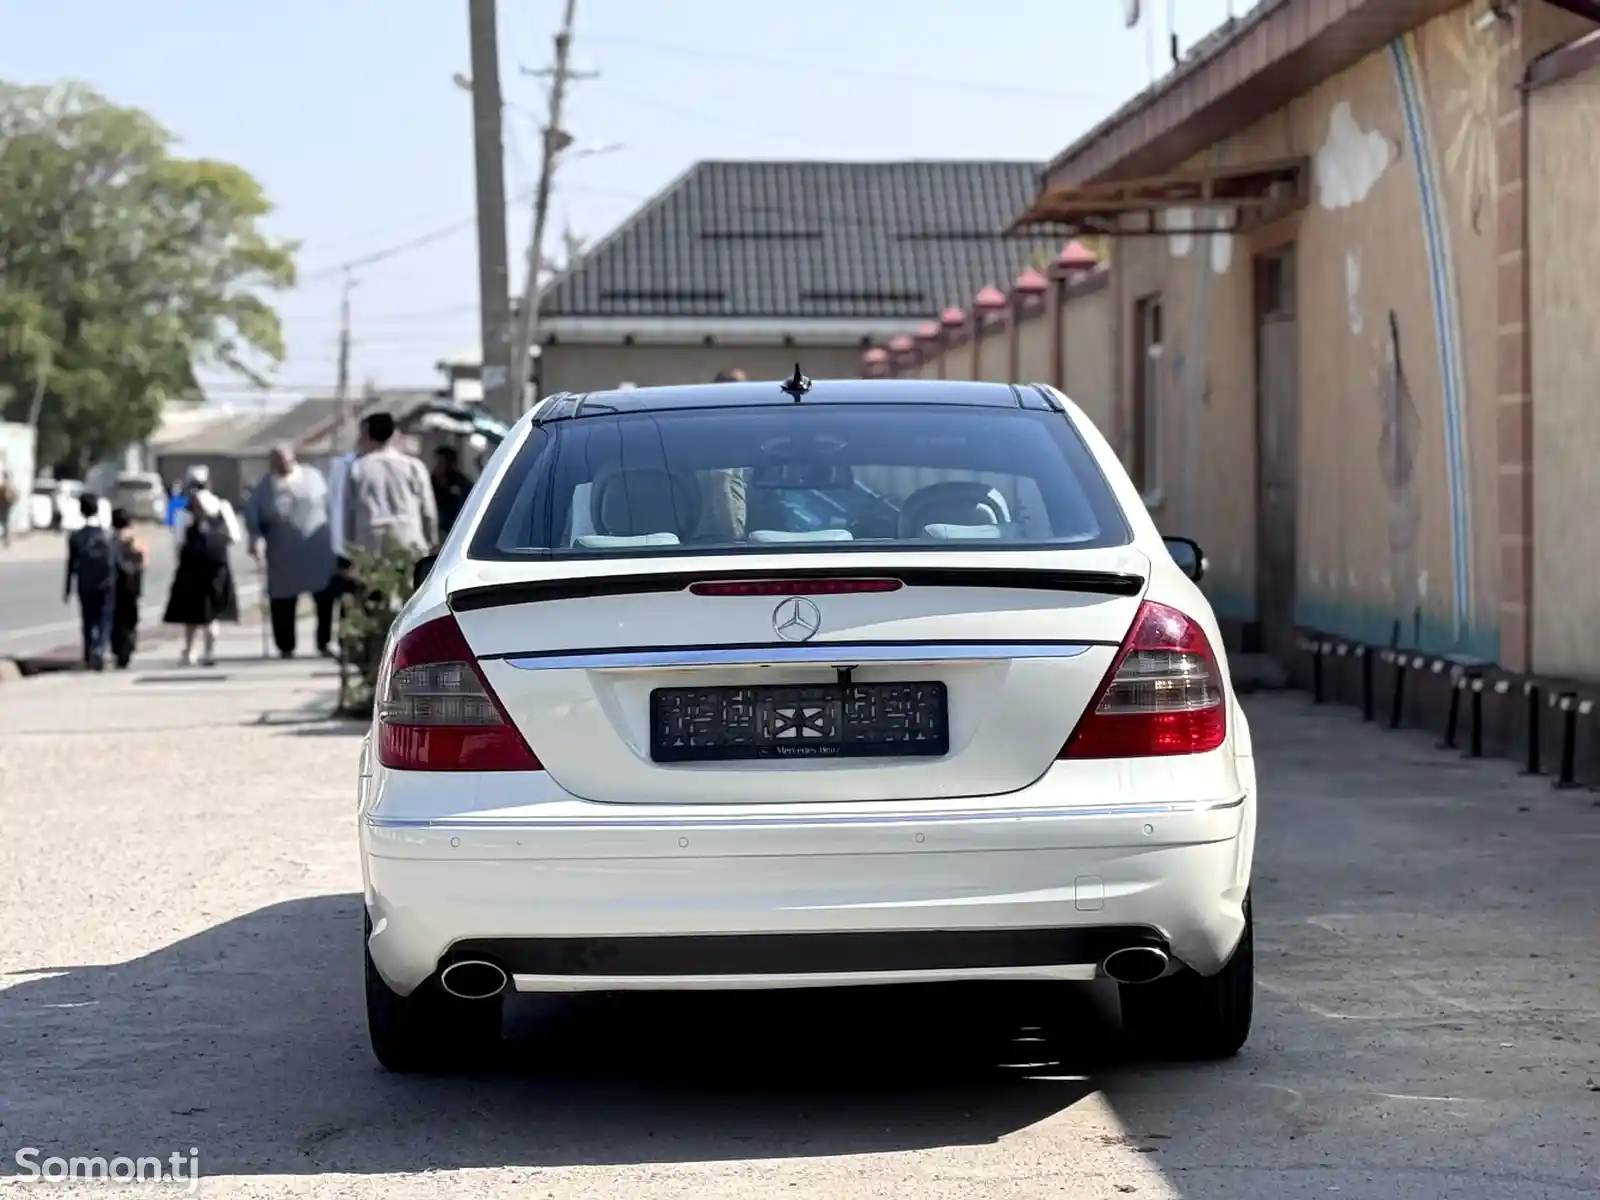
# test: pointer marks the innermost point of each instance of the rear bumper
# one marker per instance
(572, 895)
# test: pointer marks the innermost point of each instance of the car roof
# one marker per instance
(772, 393)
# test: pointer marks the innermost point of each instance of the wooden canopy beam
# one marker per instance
(1257, 187)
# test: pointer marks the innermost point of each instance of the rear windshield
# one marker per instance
(796, 478)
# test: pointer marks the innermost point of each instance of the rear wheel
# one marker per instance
(1191, 1016)
(428, 1030)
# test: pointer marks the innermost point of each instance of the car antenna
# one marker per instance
(797, 385)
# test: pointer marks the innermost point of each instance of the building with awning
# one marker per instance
(1349, 279)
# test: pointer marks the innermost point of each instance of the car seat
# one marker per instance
(644, 505)
(952, 505)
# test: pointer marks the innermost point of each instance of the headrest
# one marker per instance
(599, 541)
(962, 533)
(952, 503)
(811, 535)
(645, 501)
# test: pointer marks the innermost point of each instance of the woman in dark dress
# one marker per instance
(203, 591)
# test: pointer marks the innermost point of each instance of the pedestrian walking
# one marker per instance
(8, 502)
(388, 496)
(451, 487)
(203, 591)
(287, 519)
(175, 505)
(91, 567)
(131, 558)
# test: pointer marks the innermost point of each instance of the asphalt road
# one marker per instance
(180, 966)
(35, 622)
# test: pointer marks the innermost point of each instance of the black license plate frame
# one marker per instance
(779, 722)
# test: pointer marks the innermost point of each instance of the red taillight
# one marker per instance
(793, 587)
(1163, 694)
(436, 711)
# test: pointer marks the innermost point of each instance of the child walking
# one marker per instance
(91, 564)
(131, 557)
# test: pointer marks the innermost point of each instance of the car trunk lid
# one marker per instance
(898, 676)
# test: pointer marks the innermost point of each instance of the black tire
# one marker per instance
(429, 1030)
(1191, 1017)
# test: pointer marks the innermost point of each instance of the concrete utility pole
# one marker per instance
(342, 387)
(494, 279)
(556, 140)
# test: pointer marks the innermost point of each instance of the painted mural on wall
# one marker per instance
(1400, 433)
(1453, 169)
(1445, 297)
(1473, 109)
(1352, 292)
(1350, 161)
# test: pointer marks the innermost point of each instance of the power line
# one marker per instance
(394, 251)
(398, 248)
(250, 391)
(814, 69)
(699, 114)
(439, 234)
(380, 318)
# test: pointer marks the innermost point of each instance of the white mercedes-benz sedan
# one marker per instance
(783, 685)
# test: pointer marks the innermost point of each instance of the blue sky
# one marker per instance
(345, 110)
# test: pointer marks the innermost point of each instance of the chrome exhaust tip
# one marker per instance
(1135, 964)
(473, 979)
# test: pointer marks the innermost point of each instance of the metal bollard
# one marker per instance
(1398, 699)
(1475, 736)
(1366, 681)
(1452, 716)
(1530, 695)
(1567, 770)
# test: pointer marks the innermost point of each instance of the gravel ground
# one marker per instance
(180, 967)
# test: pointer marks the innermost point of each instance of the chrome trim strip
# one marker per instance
(1076, 972)
(828, 653)
(799, 820)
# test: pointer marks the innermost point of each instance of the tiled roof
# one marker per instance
(308, 425)
(854, 240)
(314, 422)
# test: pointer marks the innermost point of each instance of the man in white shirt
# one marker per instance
(388, 496)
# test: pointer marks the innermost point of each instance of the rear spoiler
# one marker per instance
(590, 587)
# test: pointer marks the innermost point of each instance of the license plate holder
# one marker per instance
(799, 721)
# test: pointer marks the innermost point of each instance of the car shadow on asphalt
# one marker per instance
(248, 1042)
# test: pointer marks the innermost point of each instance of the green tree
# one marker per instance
(123, 268)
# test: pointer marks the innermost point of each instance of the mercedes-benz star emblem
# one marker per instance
(796, 620)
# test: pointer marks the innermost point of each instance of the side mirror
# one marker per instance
(1187, 554)
(420, 572)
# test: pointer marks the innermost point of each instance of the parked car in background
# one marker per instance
(143, 494)
(42, 504)
(54, 505)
